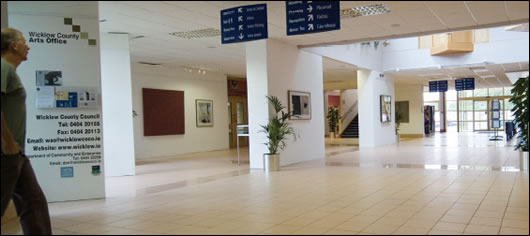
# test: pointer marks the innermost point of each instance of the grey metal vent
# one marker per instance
(195, 34)
(138, 37)
(148, 63)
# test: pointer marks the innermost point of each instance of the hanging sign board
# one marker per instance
(438, 86)
(306, 17)
(465, 84)
(244, 23)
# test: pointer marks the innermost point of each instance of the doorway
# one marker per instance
(481, 115)
(237, 108)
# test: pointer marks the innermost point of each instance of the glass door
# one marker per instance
(237, 107)
(480, 115)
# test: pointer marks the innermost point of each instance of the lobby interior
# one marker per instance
(451, 182)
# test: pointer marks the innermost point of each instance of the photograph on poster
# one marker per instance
(299, 105)
(204, 109)
(49, 78)
(386, 108)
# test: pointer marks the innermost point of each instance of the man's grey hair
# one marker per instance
(8, 35)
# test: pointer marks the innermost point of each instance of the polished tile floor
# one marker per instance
(444, 184)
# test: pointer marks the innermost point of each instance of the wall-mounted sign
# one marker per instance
(244, 23)
(438, 86)
(465, 84)
(306, 17)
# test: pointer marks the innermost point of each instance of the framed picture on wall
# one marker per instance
(386, 108)
(204, 109)
(300, 105)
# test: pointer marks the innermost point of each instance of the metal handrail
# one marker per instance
(348, 116)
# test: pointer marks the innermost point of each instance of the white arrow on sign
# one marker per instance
(240, 18)
(240, 10)
(310, 26)
(310, 8)
(240, 27)
(241, 36)
(310, 17)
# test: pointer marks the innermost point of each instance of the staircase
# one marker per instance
(352, 131)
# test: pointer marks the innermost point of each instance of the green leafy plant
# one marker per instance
(333, 118)
(278, 127)
(520, 101)
(398, 121)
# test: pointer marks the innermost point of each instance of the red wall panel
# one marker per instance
(163, 112)
(333, 100)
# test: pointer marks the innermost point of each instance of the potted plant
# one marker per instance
(520, 101)
(277, 131)
(333, 120)
(398, 122)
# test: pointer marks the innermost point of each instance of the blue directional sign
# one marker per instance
(244, 23)
(305, 17)
(465, 84)
(438, 86)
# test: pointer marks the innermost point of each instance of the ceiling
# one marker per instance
(155, 20)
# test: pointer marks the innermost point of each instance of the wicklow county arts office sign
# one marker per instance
(52, 38)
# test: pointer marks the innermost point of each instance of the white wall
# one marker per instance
(372, 132)
(412, 93)
(292, 69)
(363, 56)
(283, 67)
(116, 89)
(211, 86)
(503, 47)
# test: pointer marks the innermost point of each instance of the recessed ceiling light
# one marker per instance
(429, 75)
(487, 76)
(195, 34)
(480, 70)
(365, 10)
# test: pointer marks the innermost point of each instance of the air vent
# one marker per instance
(138, 37)
(148, 63)
(118, 32)
(364, 11)
(196, 34)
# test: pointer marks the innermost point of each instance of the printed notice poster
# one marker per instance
(45, 97)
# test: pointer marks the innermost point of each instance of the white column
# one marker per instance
(372, 132)
(117, 105)
(258, 109)
(274, 68)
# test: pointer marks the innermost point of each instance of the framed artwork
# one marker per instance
(163, 112)
(204, 109)
(386, 108)
(300, 105)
